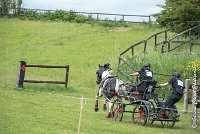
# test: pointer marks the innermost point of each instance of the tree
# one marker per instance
(179, 15)
(5, 5)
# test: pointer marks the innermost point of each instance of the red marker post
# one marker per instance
(21, 74)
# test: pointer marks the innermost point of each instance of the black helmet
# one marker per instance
(176, 74)
(147, 65)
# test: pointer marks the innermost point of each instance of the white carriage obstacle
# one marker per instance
(195, 103)
(22, 69)
(194, 100)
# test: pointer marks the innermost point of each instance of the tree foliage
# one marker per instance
(179, 14)
(7, 5)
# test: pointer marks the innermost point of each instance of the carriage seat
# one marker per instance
(145, 86)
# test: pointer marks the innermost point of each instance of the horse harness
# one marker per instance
(109, 87)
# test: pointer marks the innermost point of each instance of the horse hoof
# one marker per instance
(104, 109)
(96, 109)
(109, 115)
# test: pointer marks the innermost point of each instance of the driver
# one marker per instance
(145, 73)
(146, 77)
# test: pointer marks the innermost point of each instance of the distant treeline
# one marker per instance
(69, 16)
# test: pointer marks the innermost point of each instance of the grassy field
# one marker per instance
(46, 108)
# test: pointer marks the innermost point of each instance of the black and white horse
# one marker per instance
(109, 87)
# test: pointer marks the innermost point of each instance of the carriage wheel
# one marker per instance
(151, 113)
(117, 110)
(140, 115)
(151, 120)
(170, 121)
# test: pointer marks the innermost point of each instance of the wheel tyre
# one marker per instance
(139, 115)
(151, 118)
(171, 120)
(117, 110)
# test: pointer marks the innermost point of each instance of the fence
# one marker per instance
(98, 16)
(131, 50)
(186, 37)
(21, 74)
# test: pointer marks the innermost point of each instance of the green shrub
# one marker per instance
(188, 69)
(70, 16)
(109, 23)
(80, 19)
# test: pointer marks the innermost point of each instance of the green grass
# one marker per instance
(46, 108)
(83, 47)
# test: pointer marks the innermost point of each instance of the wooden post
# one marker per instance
(132, 49)
(97, 16)
(165, 35)
(162, 48)
(185, 99)
(145, 46)
(149, 19)
(21, 74)
(191, 47)
(122, 18)
(168, 46)
(67, 75)
(155, 45)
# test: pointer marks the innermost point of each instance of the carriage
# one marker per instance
(147, 106)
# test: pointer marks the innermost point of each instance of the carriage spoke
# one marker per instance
(168, 119)
(117, 110)
(139, 115)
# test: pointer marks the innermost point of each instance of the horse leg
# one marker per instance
(96, 108)
(109, 110)
(104, 106)
(99, 94)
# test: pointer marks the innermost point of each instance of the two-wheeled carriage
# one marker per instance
(147, 107)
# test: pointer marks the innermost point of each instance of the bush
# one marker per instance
(109, 23)
(80, 19)
(188, 70)
(70, 16)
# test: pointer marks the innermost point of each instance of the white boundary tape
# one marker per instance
(90, 99)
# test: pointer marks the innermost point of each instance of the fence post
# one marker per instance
(67, 75)
(21, 74)
(186, 90)
(162, 48)
(119, 62)
(97, 16)
(132, 50)
(191, 47)
(145, 46)
(155, 45)
(149, 19)
(122, 18)
(168, 46)
(165, 35)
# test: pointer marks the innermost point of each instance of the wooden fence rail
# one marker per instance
(145, 43)
(185, 37)
(21, 74)
(189, 35)
(88, 14)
